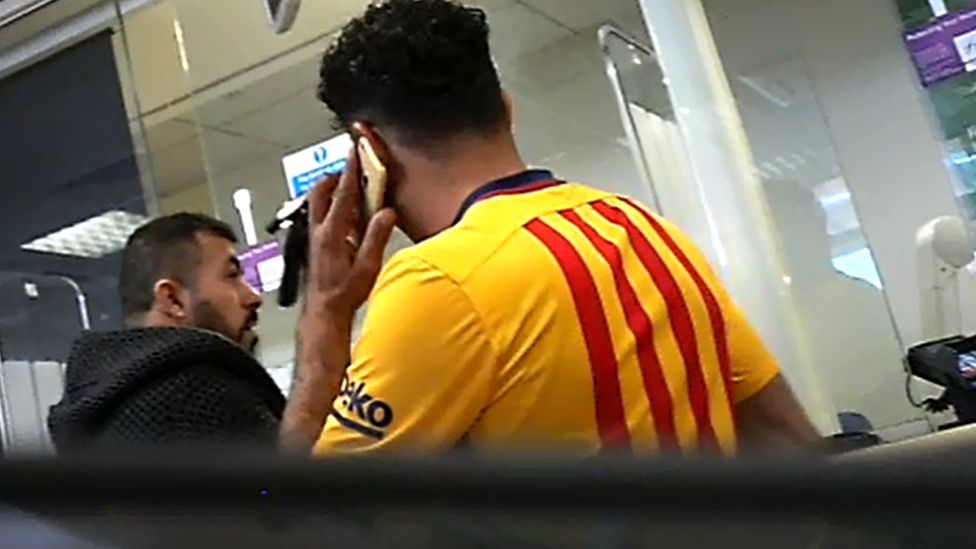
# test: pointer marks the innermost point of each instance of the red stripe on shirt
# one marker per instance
(715, 316)
(655, 384)
(678, 314)
(610, 419)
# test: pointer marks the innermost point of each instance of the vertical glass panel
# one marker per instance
(565, 114)
(76, 177)
(835, 282)
(214, 76)
(76, 183)
(155, 75)
(253, 95)
(834, 285)
(657, 142)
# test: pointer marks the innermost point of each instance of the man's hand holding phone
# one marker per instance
(344, 256)
(345, 259)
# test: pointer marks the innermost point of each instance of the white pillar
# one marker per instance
(729, 193)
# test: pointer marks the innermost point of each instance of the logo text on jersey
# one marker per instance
(360, 411)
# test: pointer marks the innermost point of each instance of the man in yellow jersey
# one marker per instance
(532, 312)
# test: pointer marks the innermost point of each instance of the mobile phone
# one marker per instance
(373, 179)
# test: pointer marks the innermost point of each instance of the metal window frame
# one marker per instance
(606, 34)
(14, 10)
(62, 35)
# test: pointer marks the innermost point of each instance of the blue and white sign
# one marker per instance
(307, 166)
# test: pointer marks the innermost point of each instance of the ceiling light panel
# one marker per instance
(94, 237)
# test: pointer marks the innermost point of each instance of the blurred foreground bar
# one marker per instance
(919, 493)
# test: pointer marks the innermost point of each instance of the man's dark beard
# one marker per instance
(207, 318)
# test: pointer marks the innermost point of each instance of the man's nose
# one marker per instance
(253, 299)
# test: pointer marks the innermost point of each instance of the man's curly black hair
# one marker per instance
(421, 68)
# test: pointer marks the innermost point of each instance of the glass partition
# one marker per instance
(223, 100)
(830, 274)
(653, 131)
(77, 179)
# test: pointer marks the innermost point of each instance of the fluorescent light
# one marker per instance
(828, 200)
(97, 236)
(180, 45)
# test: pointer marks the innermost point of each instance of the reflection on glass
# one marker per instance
(860, 265)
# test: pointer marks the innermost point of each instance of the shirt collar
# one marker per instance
(527, 181)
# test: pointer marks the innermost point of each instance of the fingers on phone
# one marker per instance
(340, 221)
(369, 258)
(320, 199)
(323, 194)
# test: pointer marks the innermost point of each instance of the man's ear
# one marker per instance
(170, 300)
(376, 140)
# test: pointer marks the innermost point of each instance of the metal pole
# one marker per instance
(607, 33)
(5, 436)
(81, 300)
(8, 438)
(38, 415)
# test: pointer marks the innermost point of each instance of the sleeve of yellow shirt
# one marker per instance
(753, 366)
(421, 372)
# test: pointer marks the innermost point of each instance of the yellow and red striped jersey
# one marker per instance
(551, 315)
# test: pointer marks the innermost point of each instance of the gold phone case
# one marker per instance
(374, 174)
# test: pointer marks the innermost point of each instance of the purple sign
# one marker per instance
(263, 266)
(944, 48)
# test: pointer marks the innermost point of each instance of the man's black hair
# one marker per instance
(166, 247)
(422, 68)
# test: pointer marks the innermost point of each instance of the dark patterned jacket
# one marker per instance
(153, 387)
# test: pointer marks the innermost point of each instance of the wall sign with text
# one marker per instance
(263, 266)
(307, 166)
(944, 48)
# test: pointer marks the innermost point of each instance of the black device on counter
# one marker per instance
(949, 363)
